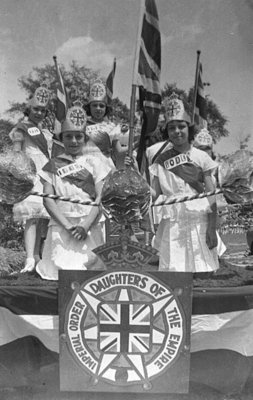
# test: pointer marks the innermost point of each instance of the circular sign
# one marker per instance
(124, 327)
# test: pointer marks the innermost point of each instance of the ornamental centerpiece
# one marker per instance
(125, 196)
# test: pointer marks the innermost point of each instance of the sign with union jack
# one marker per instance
(124, 330)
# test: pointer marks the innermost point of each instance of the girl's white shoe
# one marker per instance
(29, 265)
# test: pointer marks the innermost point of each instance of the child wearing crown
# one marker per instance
(28, 137)
(74, 229)
(104, 133)
(186, 236)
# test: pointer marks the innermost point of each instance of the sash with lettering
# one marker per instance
(181, 165)
(72, 172)
(98, 133)
(35, 135)
(57, 148)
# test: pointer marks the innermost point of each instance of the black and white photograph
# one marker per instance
(126, 199)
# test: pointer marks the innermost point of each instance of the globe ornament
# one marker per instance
(125, 196)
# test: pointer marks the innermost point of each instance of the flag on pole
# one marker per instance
(62, 101)
(200, 114)
(109, 82)
(148, 75)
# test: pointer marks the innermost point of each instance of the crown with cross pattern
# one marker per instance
(76, 118)
(41, 96)
(175, 109)
(98, 91)
(203, 139)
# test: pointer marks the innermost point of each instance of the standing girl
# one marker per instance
(74, 229)
(186, 236)
(104, 133)
(28, 137)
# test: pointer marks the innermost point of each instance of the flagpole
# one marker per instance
(55, 62)
(134, 82)
(195, 86)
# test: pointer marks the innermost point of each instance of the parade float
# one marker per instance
(129, 328)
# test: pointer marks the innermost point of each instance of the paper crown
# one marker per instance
(76, 118)
(98, 91)
(175, 109)
(40, 97)
(203, 139)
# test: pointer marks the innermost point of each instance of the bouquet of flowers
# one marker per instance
(17, 176)
(235, 177)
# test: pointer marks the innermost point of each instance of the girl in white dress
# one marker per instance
(186, 236)
(104, 133)
(28, 137)
(74, 229)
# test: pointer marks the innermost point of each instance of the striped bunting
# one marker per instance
(221, 318)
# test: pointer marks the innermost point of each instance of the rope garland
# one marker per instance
(187, 198)
(156, 204)
(242, 224)
(62, 198)
(167, 202)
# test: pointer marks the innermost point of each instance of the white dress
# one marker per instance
(181, 234)
(62, 250)
(151, 152)
(32, 206)
(103, 134)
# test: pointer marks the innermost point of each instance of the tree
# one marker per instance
(216, 121)
(120, 111)
(77, 80)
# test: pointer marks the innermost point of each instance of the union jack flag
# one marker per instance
(125, 328)
(109, 82)
(148, 78)
(200, 106)
(62, 102)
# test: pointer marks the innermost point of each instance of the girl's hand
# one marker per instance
(78, 232)
(131, 162)
(128, 161)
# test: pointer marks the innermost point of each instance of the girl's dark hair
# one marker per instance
(86, 137)
(192, 132)
(108, 109)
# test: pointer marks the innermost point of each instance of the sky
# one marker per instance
(93, 32)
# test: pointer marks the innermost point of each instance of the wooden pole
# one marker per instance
(131, 126)
(195, 86)
(55, 62)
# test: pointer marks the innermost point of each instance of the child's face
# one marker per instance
(178, 132)
(73, 142)
(97, 110)
(37, 114)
